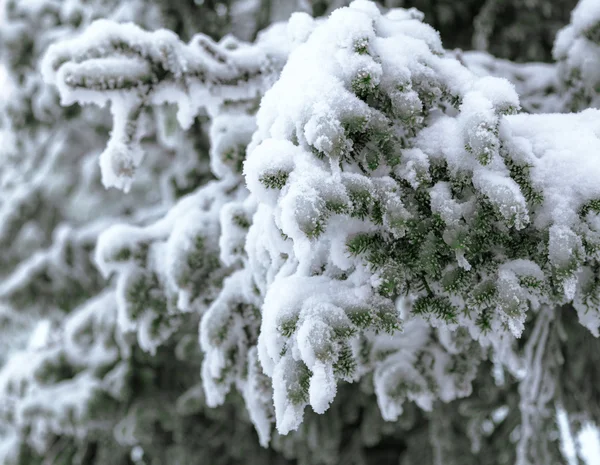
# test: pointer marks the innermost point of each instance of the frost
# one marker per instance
(160, 69)
(577, 50)
(391, 137)
(340, 215)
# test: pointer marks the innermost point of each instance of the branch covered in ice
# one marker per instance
(60, 384)
(135, 69)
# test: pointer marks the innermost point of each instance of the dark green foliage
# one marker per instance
(275, 180)
(521, 174)
(593, 33)
(591, 206)
(439, 307)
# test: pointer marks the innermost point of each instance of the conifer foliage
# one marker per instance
(330, 241)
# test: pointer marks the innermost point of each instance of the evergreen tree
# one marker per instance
(336, 239)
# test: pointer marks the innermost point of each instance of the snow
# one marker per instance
(578, 55)
(535, 83)
(505, 193)
(263, 256)
(588, 441)
(60, 407)
(585, 14)
(292, 127)
(118, 62)
(300, 26)
(474, 140)
(553, 145)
